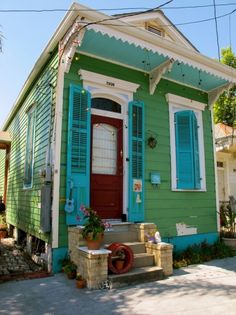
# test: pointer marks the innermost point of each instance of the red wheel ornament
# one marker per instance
(120, 252)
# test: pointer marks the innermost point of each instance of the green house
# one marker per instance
(116, 115)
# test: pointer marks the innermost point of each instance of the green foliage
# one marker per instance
(79, 276)
(200, 253)
(94, 224)
(227, 221)
(70, 267)
(225, 107)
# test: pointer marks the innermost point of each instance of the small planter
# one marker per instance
(71, 275)
(70, 270)
(95, 244)
(80, 284)
(119, 264)
(231, 242)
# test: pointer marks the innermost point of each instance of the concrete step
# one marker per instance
(137, 247)
(120, 226)
(119, 237)
(143, 260)
(136, 276)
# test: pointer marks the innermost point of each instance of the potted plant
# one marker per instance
(228, 225)
(94, 227)
(80, 281)
(70, 270)
(3, 225)
(120, 260)
(65, 261)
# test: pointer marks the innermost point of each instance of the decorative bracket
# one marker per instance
(213, 95)
(69, 43)
(156, 74)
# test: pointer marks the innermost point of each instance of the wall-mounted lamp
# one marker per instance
(152, 142)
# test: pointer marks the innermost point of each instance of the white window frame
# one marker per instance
(119, 91)
(32, 110)
(177, 104)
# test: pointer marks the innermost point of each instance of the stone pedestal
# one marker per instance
(144, 229)
(93, 266)
(163, 256)
(75, 240)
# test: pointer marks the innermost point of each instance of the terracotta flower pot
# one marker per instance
(95, 244)
(119, 264)
(80, 284)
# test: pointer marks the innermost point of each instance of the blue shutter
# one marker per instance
(197, 178)
(78, 153)
(187, 153)
(136, 161)
(28, 176)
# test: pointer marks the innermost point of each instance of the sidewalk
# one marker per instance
(195, 290)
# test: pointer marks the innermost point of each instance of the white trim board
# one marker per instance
(178, 103)
(121, 92)
(184, 102)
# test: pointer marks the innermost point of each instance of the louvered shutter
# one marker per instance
(136, 161)
(187, 153)
(78, 151)
(197, 179)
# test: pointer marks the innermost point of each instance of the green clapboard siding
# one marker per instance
(2, 171)
(162, 206)
(23, 205)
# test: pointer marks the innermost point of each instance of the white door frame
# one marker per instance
(121, 92)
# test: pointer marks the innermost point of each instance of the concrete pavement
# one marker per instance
(196, 290)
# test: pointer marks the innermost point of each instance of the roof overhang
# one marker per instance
(138, 49)
(5, 139)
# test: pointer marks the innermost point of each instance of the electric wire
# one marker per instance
(131, 14)
(217, 32)
(113, 9)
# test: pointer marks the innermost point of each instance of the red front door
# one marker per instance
(107, 167)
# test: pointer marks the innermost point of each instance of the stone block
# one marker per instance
(163, 256)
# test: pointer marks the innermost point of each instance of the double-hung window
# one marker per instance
(187, 147)
(29, 155)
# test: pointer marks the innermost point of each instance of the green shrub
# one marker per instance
(199, 253)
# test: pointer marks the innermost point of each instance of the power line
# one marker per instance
(217, 32)
(112, 9)
(163, 25)
(112, 18)
(131, 14)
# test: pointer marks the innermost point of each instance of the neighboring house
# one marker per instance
(226, 161)
(116, 114)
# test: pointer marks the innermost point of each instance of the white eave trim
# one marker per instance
(144, 39)
(214, 94)
(92, 77)
(186, 102)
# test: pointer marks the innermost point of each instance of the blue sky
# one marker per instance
(26, 34)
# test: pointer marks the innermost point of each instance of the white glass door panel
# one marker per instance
(104, 150)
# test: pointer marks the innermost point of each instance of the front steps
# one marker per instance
(136, 276)
(152, 262)
(144, 269)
